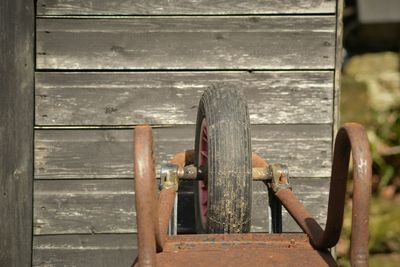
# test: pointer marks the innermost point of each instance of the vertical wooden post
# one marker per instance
(16, 130)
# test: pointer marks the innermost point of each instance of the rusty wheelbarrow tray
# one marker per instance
(156, 248)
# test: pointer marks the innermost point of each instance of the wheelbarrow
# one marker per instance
(222, 168)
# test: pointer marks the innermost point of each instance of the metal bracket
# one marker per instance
(280, 177)
(169, 176)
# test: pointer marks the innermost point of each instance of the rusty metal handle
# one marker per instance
(165, 206)
(350, 137)
(145, 196)
(152, 216)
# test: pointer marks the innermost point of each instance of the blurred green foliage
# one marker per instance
(370, 95)
(384, 232)
(384, 227)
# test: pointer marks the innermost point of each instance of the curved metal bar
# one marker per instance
(165, 205)
(350, 137)
(152, 215)
(145, 196)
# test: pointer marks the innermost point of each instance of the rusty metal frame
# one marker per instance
(153, 212)
(350, 137)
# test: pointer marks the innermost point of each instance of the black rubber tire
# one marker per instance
(229, 161)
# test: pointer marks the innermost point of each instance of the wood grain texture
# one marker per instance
(338, 65)
(150, 43)
(84, 206)
(114, 98)
(75, 154)
(107, 250)
(16, 131)
(181, 7)
(108, 206)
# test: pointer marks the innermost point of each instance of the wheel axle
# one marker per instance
(276, 174)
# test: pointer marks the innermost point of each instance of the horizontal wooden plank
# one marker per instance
(114, 98)
(277, 42)
(181, 7)
(108, 206)
(74, 154)
(84, 250)
(84, 206)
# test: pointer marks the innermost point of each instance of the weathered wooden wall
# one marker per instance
(17, 18)
(98, 98)
(182, 7)
(105, 66)
(170, 43)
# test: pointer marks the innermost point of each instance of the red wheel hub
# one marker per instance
(203, 159)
